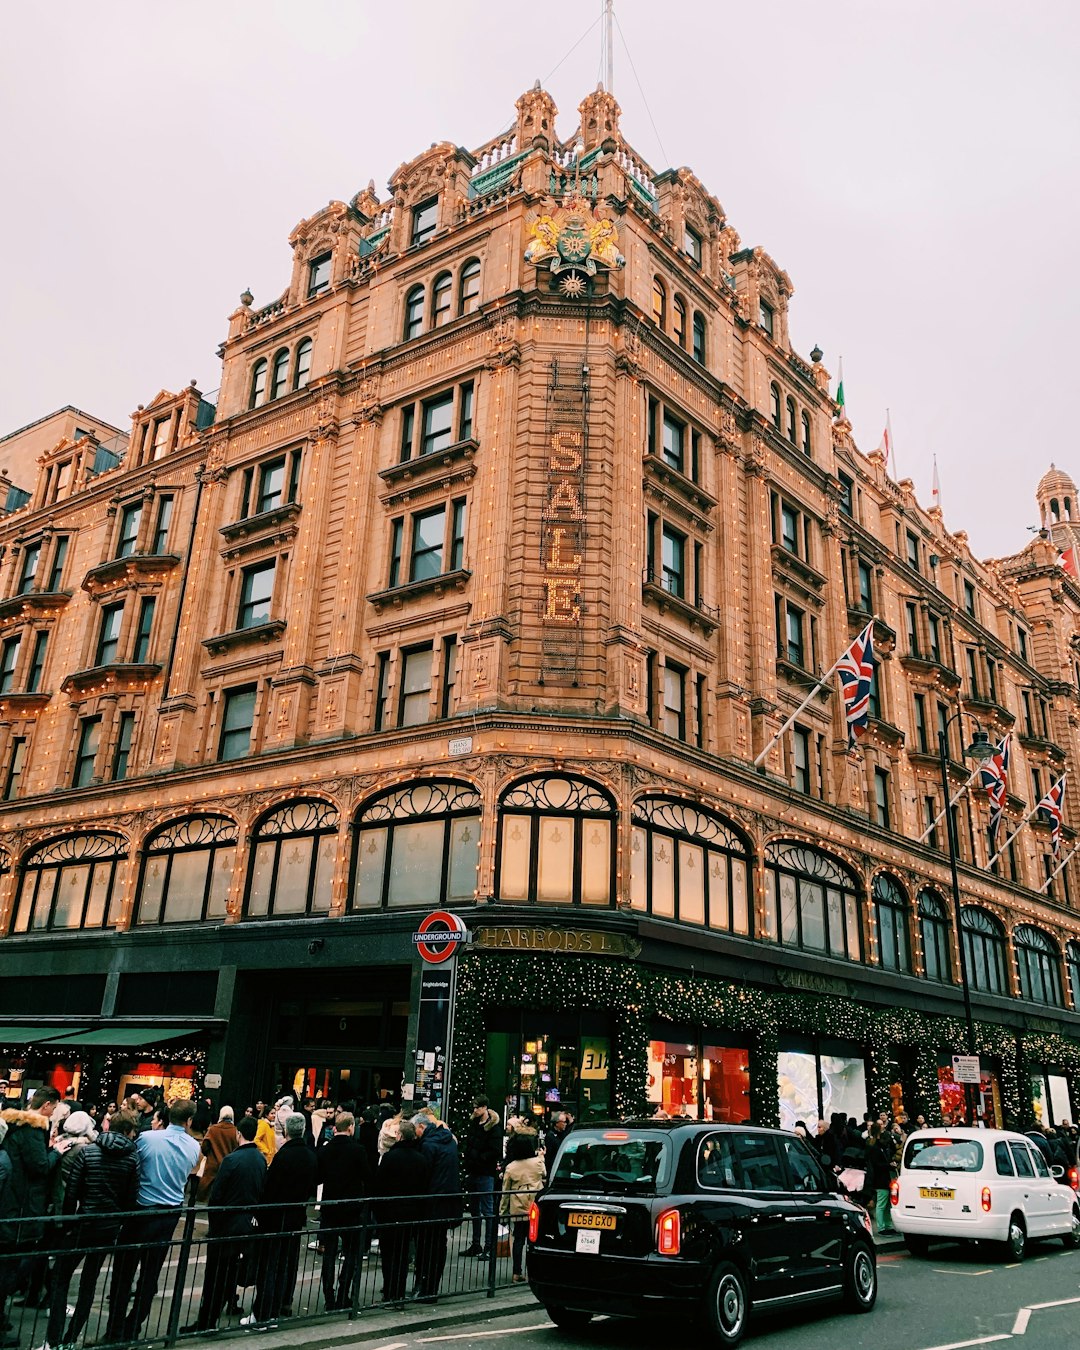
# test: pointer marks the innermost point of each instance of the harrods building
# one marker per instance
(514, 533)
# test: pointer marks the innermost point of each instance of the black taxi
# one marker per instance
(653, 1217)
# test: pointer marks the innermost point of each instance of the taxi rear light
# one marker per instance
(668, 1233)
(534, 1221)
(894, 1192)
(939, 1142)
(616, 1134)
(985, 1199)
(1073, 1177)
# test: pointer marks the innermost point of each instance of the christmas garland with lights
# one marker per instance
(154, 1054)
(636, 996)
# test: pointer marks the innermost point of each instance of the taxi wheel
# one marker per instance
(1016, 1243)
(727, 1304)
(568, 1319)
(860, 1279)
(1071, 1239)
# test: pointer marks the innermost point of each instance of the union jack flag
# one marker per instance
(995, 779)
(1051, 804)
(856, 671)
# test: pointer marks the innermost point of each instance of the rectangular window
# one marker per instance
(130, 520)
(89, 740)
(319, 274)
(397, 531)
(141, 653)
(425, 220)
(934, 624)
(991, 679)
(15, 768)
(796, 650)
(847, 488)
(929, 812)
(56, 572)
(698, 347)
(37, 663)
(256, 594)
(866, 587)
(692, 245)
(237, 722)
(921, 737)
(673, 719)
(438, 421)
(1029, 725)
(765, 317)
(1022, 642)
(61, 484)
(789, 528)
(699, 712)
(874, 705)
(408, 430)
(913, 550)
(109, 638)
(911, 628)
(465, 407)
(122, 753)
(382, 689)
(943, 727)
(428, 541)
(161, 524)
(9, 655)
(30, 559)
(160, 442)
(457, 535)
(881, 797)
(271, 489)
(415, 697)
(674, 452)
(969, 599)
(972, 673)
(801, 759)
(673, 561)
(449, 678)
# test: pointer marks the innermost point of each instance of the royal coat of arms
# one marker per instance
(573, 241)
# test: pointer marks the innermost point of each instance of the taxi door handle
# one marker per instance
(800, 1218)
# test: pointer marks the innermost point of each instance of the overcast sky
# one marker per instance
(912, 165)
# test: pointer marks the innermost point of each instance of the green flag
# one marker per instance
(840, 386)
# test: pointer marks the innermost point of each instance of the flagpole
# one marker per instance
(1030, 816)
(1057, 869)
(952, 802)
(827, 676)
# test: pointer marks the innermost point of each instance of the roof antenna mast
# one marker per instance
(609, 45)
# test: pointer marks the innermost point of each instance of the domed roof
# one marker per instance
(1055, 480)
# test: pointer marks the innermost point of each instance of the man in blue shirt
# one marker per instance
(166, 1159)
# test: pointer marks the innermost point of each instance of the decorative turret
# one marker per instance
(599, 118)
(536, 112)
(1057, 499)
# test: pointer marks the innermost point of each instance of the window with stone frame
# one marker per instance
(892, 924)
(69, 883)
(811, 901)
(556, 843)
(417, 847)
(187, 871)
(293, 852)
(688, 865)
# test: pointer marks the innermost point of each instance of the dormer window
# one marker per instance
(319, 274)
(692, 245)
(60, 484)
(425, 221)
(160, 442)
(130, 520)
(765, 317)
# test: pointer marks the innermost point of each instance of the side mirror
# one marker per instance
(1057, 1172)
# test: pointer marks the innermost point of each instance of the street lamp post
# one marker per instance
(980, 750)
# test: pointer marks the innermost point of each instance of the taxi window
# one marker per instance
(944, 1155)
(806, 1173)
(1040, 1162)
(1002, 1160)
(1022, 1158)
(760, 1162)
(717, 1166)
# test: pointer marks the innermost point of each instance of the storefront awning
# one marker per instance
(32, 1035)
(122, 1036)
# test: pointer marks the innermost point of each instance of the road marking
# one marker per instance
(1057, 1303)
(395, 1345)
(474, 1335)
(961, 1345)
(938, 1270)
(1020, 1325)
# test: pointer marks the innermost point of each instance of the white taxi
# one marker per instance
(981, 1186)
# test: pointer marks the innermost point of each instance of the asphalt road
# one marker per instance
(959, 1297)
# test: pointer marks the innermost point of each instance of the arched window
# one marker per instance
(71, 883)
(279, 381)
(698, 350)
(678, 308)
(1039, 964)
(303, 365)
(1072, 963)
(935, 931)
(810, 901)
(258, 383)
(187, 871)
(686, 864)
(985, 950)
(556, 843)
(292, 866)
(442, 291)
(469, 288)
(659, 303)
(418, 845)
(774, 405)
(891, 919)
(414, 313)
(806, 442)
(792, 428)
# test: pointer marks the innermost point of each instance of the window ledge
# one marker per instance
(885, 733)
(931, 671)
(989, 710)
(118, 675)
(14, 706)
(261, 633)
(699, 615)
(791, 563)
(674, 481)
(397, 596)
(452, 464)
(1040, 745)
(884, 636)
(31, 603)
(141, 566)
(263, 521)
(797, 675)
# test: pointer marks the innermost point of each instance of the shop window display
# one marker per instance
(554, 1062)
(954, 1096)
(701, 1081)
(815, 1080)
(1050, 1098)
(686, 864)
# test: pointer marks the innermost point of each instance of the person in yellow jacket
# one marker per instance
(523, 1179)
(265, 1138)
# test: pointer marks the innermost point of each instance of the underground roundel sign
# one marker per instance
(439, 935)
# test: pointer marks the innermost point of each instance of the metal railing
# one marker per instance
(162, 1275)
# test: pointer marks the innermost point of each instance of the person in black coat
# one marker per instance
(483, 1153)
(402, 1179)
(344, 1174)
(102, 1185)
(237, 1189)
(444, 1207)
(290, 1184)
